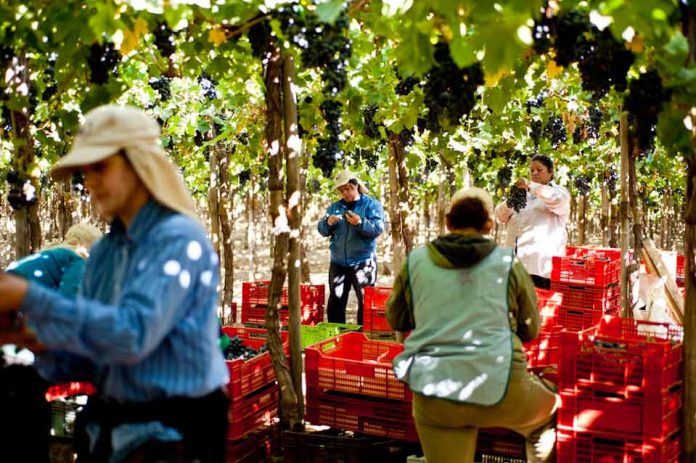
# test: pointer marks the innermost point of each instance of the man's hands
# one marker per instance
(12, 291)
(23, 336)
(351, 217)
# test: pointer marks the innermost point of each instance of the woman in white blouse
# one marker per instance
(538, 231)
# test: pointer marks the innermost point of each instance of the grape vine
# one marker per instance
(103, 61)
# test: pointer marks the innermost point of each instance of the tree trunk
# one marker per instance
(273, 148)
(582, 219)
(614, 226)
(394, 212)
(251, 213)
(624, 206)
(213, 200)
(665, 220)
(65, 206)
(225, 205)
(689, 30)
(604, 219)
(405, 202)
(634, 268)
(293, 151)
(427, 219)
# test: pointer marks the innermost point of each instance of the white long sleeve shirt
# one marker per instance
(538, 231)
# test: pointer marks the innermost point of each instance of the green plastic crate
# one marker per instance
(324, 330)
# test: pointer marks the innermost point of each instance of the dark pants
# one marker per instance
(25, 428)
(341, 280)
(201, 421)
(541, 282)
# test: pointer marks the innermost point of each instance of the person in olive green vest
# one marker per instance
(469, 305)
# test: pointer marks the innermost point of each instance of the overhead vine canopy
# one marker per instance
(486, 83)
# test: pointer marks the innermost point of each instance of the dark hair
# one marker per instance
(545, 160)
(467, 213)
(353, 181)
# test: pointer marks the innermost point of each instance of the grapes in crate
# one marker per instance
(517, 199)
(237, 350)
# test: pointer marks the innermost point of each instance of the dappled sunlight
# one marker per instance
(194, 250)
(172, 268)
(442, 388)
(470, 388)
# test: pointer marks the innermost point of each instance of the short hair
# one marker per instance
(545, 160)
(469, 208)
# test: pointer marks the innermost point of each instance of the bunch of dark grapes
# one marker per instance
(517, 199)
(49, 77)
(405, 86)
(535, 102)
(259, 36)
(504, 177)
(603, 62)
(582, 183)
(198, 138)
(543, 31)
(596, 116)
(406, 137)
(329, 148)
(431, 164)
(611, 178)
(162, 86)
(103, 60)
(208, 84)
(324, 46)
(450, 92)
(645, 99)
(21, 191)
(164, 40)
(237, 350)
(371, 129)
(244, 176)
(536, 130)
(367, 157)
(555, 131)
(571, 27)
(327, 154)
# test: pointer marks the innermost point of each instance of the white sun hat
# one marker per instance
(345, 176)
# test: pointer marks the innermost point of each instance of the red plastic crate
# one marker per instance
(255, 302)
(354, 364)
(375, 308)
(253, 412)
(548, 303)
(603, 299)
(59, 391)
(622, 356)
(598, 268)
(499, 444)
(587, 409)
(544, 350)
(246, 376)
(679, 274)
(256, 447)
(364, 415)
(588, 447)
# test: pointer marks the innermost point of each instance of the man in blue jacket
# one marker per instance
(354, 222)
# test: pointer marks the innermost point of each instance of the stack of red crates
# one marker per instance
(679, 275)
(621, 392)
(254, 397)
(255, 303)
(588, 280)
(351, 386)
(375, 309)
(543, 351)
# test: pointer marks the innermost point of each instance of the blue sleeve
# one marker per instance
(323, 226)
(62, 367)
(153, 300)
(373, 223)
(72, 278)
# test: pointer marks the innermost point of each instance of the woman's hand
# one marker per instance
(522, 183)
(13, 289)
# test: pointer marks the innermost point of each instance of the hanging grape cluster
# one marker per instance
(164, 40)
(582, 183)
(450, 92)
(406, 86)
(603, 62)
(503, 177)
(611, 178)
(371, 129)
(208, 84)
(596, 115)
(324, 46)
(645, 99)
(517, 199)
(329, 147)
(103, 61)
(555, 131)
(21, 191)
(162, 86)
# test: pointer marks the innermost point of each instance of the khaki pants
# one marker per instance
(448, 430)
